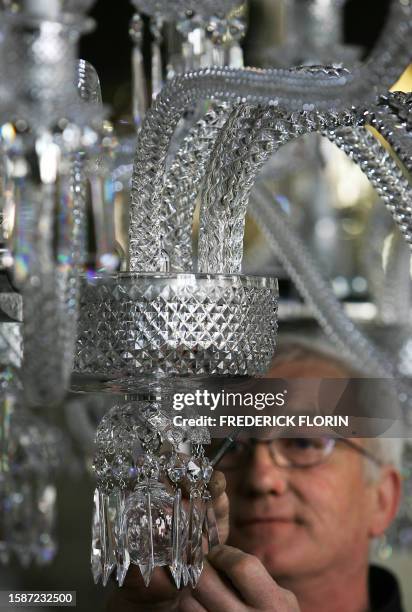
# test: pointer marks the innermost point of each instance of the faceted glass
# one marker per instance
(136, 324)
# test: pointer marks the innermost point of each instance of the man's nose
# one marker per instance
(262, 476)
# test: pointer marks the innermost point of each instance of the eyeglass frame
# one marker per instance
(254, 441)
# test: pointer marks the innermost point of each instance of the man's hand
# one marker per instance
(233, 581)
(161, 595)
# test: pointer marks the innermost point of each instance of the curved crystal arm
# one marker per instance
(383, 173)
(182, 183)
(316, 88)
(391, 54)
(287, 87)
(392, 117)
(249, 138)
(261, 131)
(298, 263)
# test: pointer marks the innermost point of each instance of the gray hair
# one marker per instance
(388, 451)
(291, 346)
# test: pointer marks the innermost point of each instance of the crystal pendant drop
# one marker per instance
(122, 553)
(148, 521)
(146, 565)
(211, 524)
(176, 468)
(96, 548)
(176, 566)
(194, 472)
(194, 544)
(106, 538)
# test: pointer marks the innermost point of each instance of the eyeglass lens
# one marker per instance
(285, 452)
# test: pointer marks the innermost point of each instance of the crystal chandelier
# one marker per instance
(156, 315)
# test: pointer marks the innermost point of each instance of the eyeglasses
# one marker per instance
(288, 452)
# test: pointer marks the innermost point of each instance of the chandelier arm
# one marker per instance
(392, 118)
(223, 84)
(249, 138)
(314, 289)
(384, 174)
(392, 298)
(296, 89)
(391, 54)
(182, 182)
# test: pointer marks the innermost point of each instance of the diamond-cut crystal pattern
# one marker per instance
(176, 324)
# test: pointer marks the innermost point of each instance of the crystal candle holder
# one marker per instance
(137, 324)
(137, 333)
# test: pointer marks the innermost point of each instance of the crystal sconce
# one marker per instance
(51, 139)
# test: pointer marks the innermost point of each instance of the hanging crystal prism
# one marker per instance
(96, 548)
(210, 523)
(146, 565)
(122, 553)
(156, 25)
(194, 544)
(139, 95)
(106, 538)
(176, 566)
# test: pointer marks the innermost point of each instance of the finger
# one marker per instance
(248, 576)
(221, 508)
(216, 594)
(217, 484)
(160, 589)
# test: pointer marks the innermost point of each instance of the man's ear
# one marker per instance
(386, 500)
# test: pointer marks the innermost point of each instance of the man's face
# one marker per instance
(299, 521)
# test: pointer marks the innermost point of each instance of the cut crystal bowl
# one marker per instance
(148, 324)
